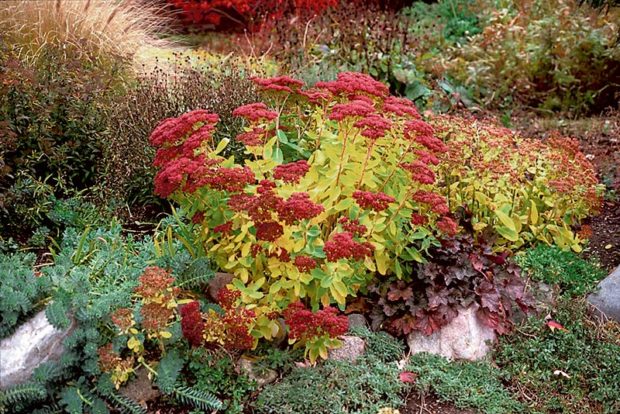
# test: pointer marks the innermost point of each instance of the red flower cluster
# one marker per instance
(401, 107)
(426, 157)
(357, 108)
(236, 321)
(171, 130)
(278, 84)
(434, 200)
(225, 228)
(192, 324)
(259, 207)
(418, 219)
(353, 226)
(373, 126)
(232, 329)
(228, 179)
(291, 172)
(419, 172)
(447, 226)
(298, 207)
(316, 95)
(255, 112)
(373, 201)
(304, 324)
(343, 246)
(304, 263)
(252, 138)
(352, 83)
(269, 231)
(177, 140)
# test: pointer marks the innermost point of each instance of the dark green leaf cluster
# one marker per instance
(380, 344)
(473, 385)
(20, 290)
(216, 374)
(587, 354)
(550, 264)
(336, 387)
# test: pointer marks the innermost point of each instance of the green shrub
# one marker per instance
(572, 371)
(216, 373)
(556, 55)
(474, 385)
(20, 290)
(53, 127)
(550, 264)
(336, 387)
(381, 345)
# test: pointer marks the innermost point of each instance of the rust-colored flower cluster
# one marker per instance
(304, 324)
(231, 329)
(158, 298)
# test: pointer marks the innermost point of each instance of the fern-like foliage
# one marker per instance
(168, 371)
(197, 398)
(196, 274)
(20, 290)
(123, 404)
(20, 395)
(57, 314)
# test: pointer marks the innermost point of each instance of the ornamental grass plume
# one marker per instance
(85, 30)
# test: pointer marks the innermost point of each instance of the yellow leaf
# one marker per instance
(505, 219)
(165, 334)
(133, 343)
(383, 261)
(533, 213)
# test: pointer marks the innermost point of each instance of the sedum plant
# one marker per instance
(519, 191)
(338, 185)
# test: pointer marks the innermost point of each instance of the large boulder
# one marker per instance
(465, 337)
(33, 343)
(352, 348)
(606, 300)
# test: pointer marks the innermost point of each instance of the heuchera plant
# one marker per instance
(339, 185)
(463, 273)
(519, 190)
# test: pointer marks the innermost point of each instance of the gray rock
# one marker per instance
(219, 281)
(352, 348)
(35, 342)
(465, 337)
(357, 320)
(262, 377)
(140, 388)
(606, 300)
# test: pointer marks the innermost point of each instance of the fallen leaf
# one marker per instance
(553, 325)
(408, 376)
(609, 246)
